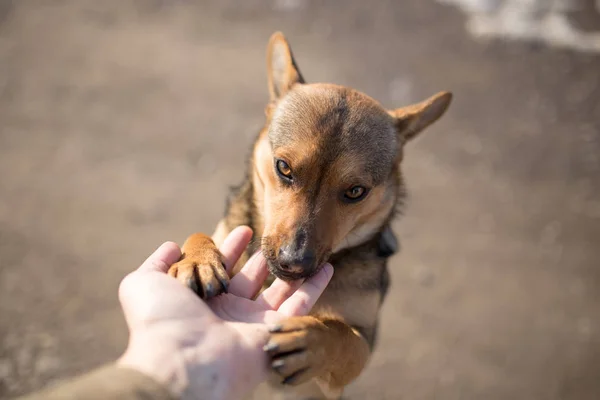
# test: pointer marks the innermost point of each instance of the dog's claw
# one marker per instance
(191, 283)
(290, 380)
(278, 363)
(209, 291)
(270, 347)
(293, 349)
(225, 285)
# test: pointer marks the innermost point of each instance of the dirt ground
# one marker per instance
(123, 123)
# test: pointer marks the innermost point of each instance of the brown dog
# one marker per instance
(323, 184)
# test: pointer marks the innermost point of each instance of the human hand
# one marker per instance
(210, 350)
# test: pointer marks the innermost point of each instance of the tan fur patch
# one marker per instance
(333, 139)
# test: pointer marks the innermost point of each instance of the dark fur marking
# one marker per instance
(369, 334)
(240, 208)
(388, 244)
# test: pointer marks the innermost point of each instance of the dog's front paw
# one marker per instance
(202, 271)
(297, 349)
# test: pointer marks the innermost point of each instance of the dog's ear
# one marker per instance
(281, 67)
(413, 119)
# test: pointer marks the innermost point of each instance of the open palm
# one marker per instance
(218, 343)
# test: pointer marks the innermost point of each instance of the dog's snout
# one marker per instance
(300, 239)
(296, 260)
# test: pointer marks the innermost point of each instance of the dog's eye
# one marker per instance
(355, 193)
(283, 169)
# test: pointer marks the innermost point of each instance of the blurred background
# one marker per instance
(124, 122)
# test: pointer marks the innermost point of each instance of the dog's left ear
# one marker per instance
(281, 67)
(413, 119)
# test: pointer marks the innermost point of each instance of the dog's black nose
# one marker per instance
(296, 260)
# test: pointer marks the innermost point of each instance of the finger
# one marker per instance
(162, 258)
(248, 282)
(149, 298)
(234, 245)
(303, 300)
(277, 293)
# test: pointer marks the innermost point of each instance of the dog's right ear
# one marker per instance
(413, 119)
(281, 67)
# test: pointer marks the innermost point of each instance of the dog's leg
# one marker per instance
(201, 265)
(322, 347)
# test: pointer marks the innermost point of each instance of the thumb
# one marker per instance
(133, 293)
(151, 298)
(162, 258)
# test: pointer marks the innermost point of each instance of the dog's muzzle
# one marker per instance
(291, 265)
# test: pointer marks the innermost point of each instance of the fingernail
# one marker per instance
(328, 269)
(275, 328)
(278, 363)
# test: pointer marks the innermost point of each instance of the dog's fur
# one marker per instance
(335, 142)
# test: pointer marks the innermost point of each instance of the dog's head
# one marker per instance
(327, 165)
